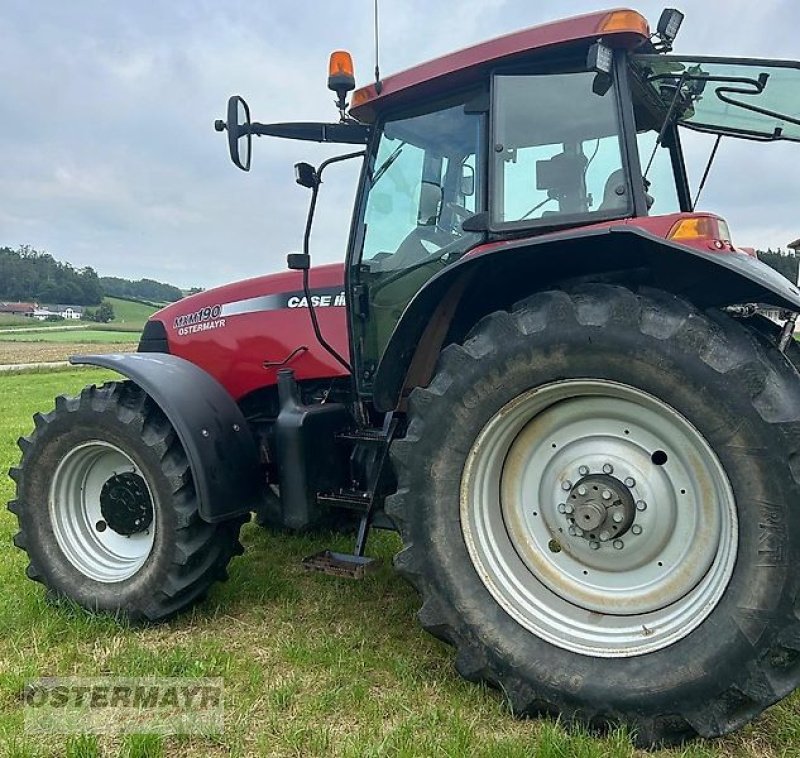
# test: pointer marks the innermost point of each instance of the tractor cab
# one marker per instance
(570, 126)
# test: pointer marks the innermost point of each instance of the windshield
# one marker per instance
(737, 97)
(422, 183)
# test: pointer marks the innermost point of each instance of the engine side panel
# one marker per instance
(231, 332)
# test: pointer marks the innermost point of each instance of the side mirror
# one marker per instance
(238, 127)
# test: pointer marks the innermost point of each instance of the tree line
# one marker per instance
(28, 275)
(783, 262)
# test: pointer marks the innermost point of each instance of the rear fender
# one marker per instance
(222, 453)
(496, 275)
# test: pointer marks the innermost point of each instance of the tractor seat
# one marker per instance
(615, 194)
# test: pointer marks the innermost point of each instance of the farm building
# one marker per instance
(58, 311)
(18, 309)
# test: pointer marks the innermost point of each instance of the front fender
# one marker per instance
(496, 275)
(221, 450)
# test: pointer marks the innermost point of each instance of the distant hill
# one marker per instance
(141, 289)
(29, 275)
(130, 313)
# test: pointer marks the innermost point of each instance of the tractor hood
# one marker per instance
(242, 333)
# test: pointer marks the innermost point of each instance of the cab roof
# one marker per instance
(620, 27)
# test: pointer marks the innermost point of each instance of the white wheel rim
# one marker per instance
(85, 534)
(627, 593)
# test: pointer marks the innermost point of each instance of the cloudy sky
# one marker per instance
(109, 158)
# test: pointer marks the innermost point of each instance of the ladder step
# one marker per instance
(355, 500)
(340, 564)
(369, 436)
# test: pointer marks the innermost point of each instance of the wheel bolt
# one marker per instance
(566, 485)
(630, 482)
(606, 495)
(594, 545)
(636, 529)
(604, 536)
(617, 518)
(573, 531)
(608, 468)
(618, 544)
(583, 470)
(581, 490)
(641, 505)
(562, 507)
(100, 526)
(569, 508)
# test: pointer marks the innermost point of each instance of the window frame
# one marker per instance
(629, 153)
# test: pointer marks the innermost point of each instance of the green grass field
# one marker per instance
(22, 322)
(312, 665)
(72, 335)
(130, 313)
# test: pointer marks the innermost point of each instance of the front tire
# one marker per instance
(672, 611)
(107, 510)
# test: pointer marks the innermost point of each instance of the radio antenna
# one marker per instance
(378, 83)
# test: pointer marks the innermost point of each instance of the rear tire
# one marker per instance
(107, 510)
(531, 607)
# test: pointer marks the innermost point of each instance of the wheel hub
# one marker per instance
(125, 504)
(600, 507)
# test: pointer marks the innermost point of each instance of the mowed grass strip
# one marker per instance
(312, 665)
(85, 336)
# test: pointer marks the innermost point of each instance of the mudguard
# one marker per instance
(215, 435)
(508, 271)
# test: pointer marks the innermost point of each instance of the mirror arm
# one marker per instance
(348, 133)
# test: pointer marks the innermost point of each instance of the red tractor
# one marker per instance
(540, 363)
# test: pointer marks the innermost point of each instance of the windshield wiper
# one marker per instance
(395, 154)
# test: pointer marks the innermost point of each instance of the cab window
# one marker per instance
(557, 152)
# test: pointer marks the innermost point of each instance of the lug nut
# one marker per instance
(636, 529)
(617, 518)
(581, 490)
(562, 507)
(608, 468)
(594, 545)
(630, 482)
(566, 485)
(569, 508)
(641, 505)
(573, 531)
(618, 544)
(583, 470)
(606, 495)
(604, 536)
